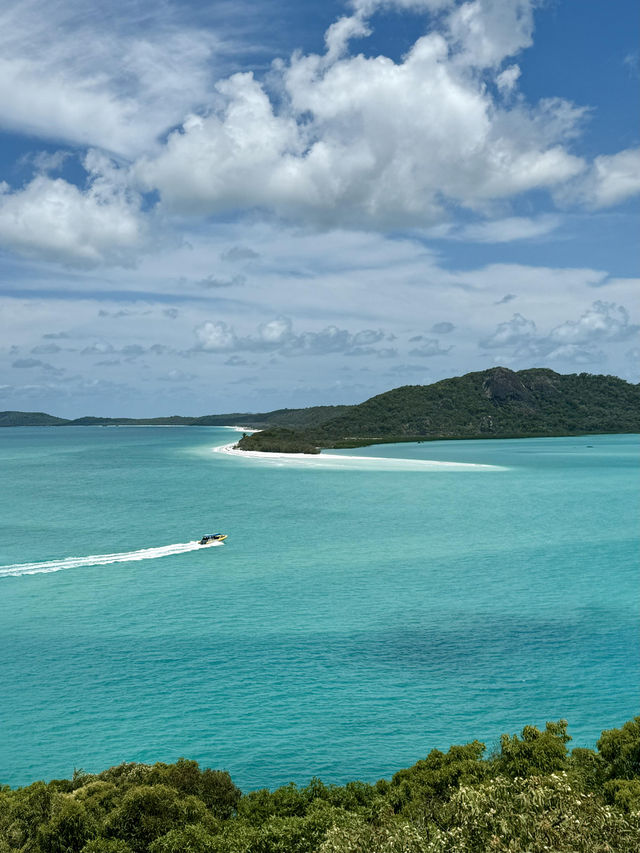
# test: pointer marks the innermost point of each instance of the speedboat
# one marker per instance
(211, 538)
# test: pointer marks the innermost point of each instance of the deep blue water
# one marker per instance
(360, 613)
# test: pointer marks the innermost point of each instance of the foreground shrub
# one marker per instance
(524, 815)
(531, 796)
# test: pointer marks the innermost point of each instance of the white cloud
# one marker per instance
(332, 140)
(487, 31)
(114, 76)
(576, 341)
(429, 348)
(515, 332)
(55, 220)
(276, 331)
(575, 354)
(98, 348)
(278, 336)
(611, 179)
(27, 363)
(603, 321)
(215, 336)
(368, 141)
(176, 375)
(507, 79)
(506, 230)
(211, 282)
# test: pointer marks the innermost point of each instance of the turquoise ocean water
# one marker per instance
(360, 613)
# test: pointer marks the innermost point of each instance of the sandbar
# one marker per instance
(335, 459)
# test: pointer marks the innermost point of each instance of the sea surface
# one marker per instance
(361, 612)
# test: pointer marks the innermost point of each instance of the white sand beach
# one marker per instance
(323, 460)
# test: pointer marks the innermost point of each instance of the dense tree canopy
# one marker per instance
(531, 795)
(495, 403)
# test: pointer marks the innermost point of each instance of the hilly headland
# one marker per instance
(492, 403)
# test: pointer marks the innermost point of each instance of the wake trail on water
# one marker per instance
(47, 566)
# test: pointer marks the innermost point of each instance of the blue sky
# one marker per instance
(242, 206)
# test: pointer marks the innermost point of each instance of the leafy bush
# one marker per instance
(532, 795)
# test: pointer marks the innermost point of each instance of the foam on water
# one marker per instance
(47, 566)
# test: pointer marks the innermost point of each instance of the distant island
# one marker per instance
(252, 420)
(529, 795)
(493, 403)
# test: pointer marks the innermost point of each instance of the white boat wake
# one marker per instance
(47, 566)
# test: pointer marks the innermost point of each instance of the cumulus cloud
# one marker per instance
(46, 161)
(576, 341)
(98, 348)
(27, 363)
(116, 78)
(442, 328)
(611, 180)
(176, 375)
(130, 352)
(507, 79)
(513, 333)
(238, 361)
(368, 141)
(30, 363)
(603, 321)
(215, 336)
(211, 282)
(429, 348)
(328, 140)
(239, 253)
(487, 31)
(55, 220)
(46, 349)
(278, 336)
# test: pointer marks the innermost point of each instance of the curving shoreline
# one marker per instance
(322, 459)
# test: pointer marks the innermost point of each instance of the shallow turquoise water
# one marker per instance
(357, 617)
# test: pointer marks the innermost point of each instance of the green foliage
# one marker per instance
(147, 812)
(586, 767)
(22, 816)
(106, 845)
(358, 836)
(69, 827)
(434, 778)
(624, 793)
(11, 419)
(536, 752)
(532, 814)
(278, 441)
(294, 418)
(213, 787)
(495, 403)
(194, 838)
(530, 796)
(298, 418)
(620, 749)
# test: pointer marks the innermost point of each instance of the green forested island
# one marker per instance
(255, 420)
(493, 403)
(530, 795)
